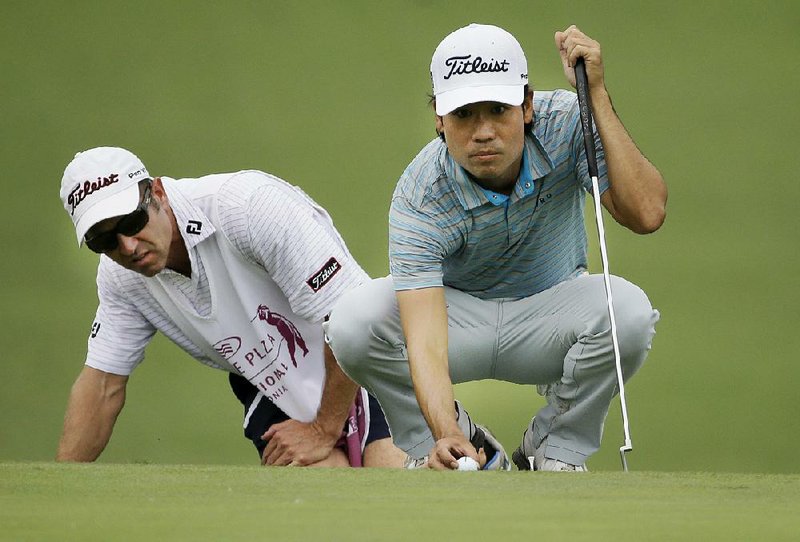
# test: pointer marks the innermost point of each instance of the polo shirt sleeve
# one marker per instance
(120, 332)
(417, 246)
(293, 239)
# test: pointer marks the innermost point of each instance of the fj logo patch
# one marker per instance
(194, 227)
(321, 277)
(95, 329)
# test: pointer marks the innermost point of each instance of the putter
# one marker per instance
(585, 105)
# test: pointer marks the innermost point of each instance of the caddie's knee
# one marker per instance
(635, 319)
(358, 322)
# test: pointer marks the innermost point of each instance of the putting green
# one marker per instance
(43, 501)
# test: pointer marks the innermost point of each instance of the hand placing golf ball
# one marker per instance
(467, 463)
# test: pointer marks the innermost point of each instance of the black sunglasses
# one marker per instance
(129, 225)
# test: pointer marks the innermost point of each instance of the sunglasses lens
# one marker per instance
(105, 242)
(129, 225)
(133, 223)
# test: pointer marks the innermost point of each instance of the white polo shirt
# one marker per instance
(268, 223)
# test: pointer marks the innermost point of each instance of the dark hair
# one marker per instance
(528, 125)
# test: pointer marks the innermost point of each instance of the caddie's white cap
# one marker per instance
(101, 183)
(478, 63)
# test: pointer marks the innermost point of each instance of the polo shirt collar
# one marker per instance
(536, 163)
(193, 224)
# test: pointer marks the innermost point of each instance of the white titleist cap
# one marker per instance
(478, 63)
(101, 183)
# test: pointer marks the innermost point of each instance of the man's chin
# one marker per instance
(145, 268)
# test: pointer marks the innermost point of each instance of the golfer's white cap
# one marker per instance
(478, 63)
(101, 183)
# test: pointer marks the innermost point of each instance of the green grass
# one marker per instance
(332, 97)
(44, 501)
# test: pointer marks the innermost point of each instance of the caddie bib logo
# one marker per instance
(228, 347)
(267, 362)
(285, 328)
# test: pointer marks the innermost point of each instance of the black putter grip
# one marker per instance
(585, 106)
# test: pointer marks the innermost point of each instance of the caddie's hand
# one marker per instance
(447, 450)
(573, 44)
(296, 443)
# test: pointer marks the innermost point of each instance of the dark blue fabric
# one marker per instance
(267, 414)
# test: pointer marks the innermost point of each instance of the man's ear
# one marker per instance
(440, 127)
(157, 186)
(527, 107)
(157, 189)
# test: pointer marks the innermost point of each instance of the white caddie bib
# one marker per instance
(251, 329)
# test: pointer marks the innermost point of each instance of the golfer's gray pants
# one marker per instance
(559, 339)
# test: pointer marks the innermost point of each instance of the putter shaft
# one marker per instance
(584, 104)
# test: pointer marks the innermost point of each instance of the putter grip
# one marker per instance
(585, 106)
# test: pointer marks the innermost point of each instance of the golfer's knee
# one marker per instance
(636, 319)
(357, 321)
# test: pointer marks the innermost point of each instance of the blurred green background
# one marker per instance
(331, 96)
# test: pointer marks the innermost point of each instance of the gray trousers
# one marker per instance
(559, 339)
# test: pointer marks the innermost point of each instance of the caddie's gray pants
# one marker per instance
(559, 338)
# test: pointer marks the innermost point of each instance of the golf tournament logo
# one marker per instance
(228, 347)
(267, 363)
(80, 192)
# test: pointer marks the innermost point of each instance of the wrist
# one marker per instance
(450, 430)
(600, 97)
(328, 429)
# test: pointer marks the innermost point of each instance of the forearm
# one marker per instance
(637, 195)
(637, 191)
(424, 317)
(338, 394)
(95, 402)
(434, 391)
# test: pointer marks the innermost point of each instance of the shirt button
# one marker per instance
(527, 185)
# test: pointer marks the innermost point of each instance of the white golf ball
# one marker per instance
(467, 463)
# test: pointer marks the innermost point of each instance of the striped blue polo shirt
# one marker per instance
(444, 229)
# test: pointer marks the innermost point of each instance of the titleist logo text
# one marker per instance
(80, 192)
(321, 277)
(460, 65)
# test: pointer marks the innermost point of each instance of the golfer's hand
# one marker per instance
(296, 443)
(447, 450)
(573, 44)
